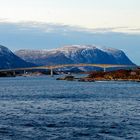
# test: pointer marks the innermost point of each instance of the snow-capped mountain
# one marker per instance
(10, 60)
(75, 54)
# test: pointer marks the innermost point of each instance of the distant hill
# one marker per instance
(75, 54)
(10, 60)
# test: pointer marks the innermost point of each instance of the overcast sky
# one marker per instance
(86, 13)
(45, 24)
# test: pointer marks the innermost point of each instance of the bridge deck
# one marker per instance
(104, 66)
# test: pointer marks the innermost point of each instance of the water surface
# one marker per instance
(41, 108)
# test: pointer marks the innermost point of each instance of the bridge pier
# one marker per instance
(14, 73)
(51, 72)
(104, 69)
(24, 72)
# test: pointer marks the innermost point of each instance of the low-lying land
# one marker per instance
(118, 75)
(14, 74)
(25, 74)
(7, 74)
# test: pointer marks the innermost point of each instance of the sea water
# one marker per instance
(42, 108)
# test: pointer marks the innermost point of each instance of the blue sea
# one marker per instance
(42, 108)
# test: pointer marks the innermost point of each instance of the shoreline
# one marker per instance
(82, 79)
(85, 79)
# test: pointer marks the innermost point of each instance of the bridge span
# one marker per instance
(51, 68)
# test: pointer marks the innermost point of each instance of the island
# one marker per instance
(117, 75)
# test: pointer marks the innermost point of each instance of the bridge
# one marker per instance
(51, 68)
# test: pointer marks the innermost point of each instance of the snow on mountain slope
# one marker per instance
(10, 60)
(75, 54)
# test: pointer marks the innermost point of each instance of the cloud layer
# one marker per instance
(32, 35)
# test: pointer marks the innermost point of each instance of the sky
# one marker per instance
(45, 24)
(86, 13)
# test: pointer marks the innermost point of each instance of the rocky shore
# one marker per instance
(118, 75)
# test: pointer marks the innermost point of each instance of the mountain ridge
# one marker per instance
(9, 60)
(73, 54)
